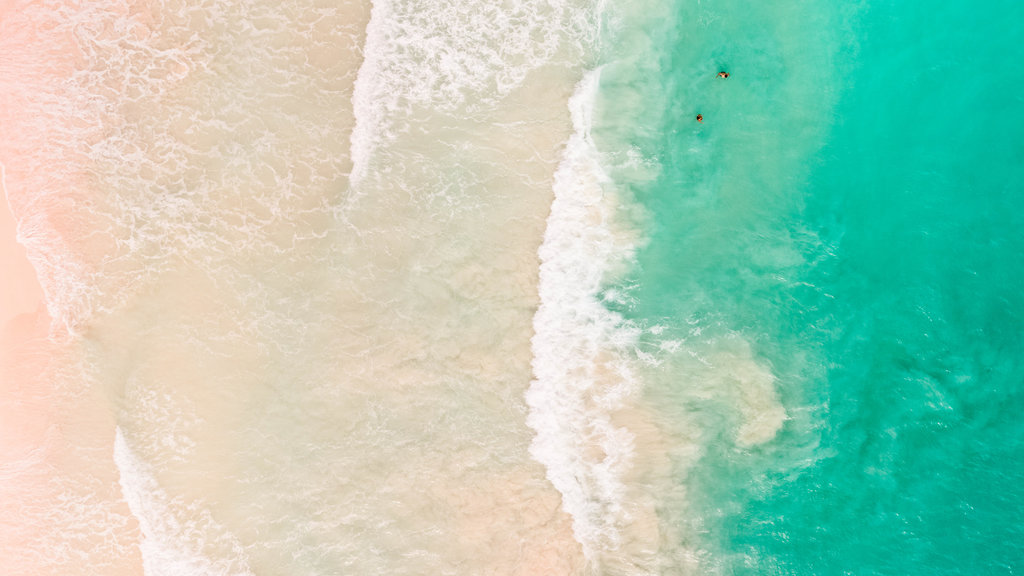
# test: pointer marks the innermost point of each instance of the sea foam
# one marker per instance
(172, 546)
(582, 352)
(448, 56)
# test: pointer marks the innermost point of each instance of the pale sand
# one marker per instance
(59, 497)
(20, 292)
(186, 358)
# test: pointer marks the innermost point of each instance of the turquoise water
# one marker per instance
(850, 210)
(464, 287)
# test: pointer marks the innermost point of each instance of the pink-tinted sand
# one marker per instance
(61, 508)
(20, 293)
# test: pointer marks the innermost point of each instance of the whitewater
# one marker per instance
(317, 287)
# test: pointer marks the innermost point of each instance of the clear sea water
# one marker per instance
(851, 209)
(460, 287)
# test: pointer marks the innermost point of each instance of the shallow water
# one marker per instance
(437, 287)
(295, 371)
(839, 240)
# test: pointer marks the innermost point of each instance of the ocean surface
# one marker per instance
(465, 287)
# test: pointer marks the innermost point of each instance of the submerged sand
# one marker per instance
(254, 367)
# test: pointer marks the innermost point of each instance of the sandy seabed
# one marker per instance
(251, 369)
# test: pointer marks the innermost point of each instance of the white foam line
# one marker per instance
(168, 546)
(49, 260)
(20, 239)
(581, 365)
(446, 56)
(369, 115)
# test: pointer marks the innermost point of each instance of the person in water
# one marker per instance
(723, 74)
(700, 118)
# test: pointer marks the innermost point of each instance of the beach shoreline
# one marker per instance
(251, 361)
(21, 296)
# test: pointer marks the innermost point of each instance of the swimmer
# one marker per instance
(700, 118)
(723, 74)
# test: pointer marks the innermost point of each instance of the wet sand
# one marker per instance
(62, 508)
(298, 382)
(20, 292)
